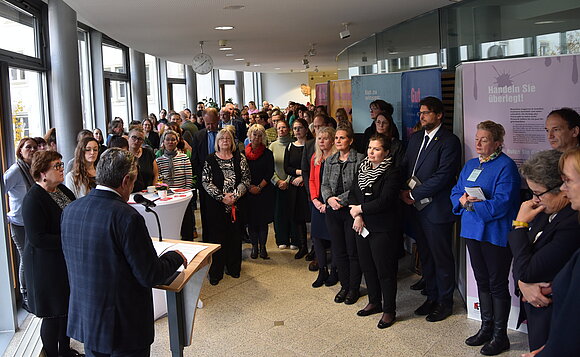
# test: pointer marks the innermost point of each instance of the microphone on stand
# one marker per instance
(148, 204)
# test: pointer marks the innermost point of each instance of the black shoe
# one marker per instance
(214, 281)
(332, 278)
(388, 323)
(301, 252)
(264, 252)
(371, 311)
(72, 353)
(254, 254)
(424, 292)
(313, 266)
(233, 275)
(419, 285)
(352, 296)
(311, 255)
(339, 298)
(497, 345)
(322, 276)
(426, 308)
(440, 313)
(482, 336)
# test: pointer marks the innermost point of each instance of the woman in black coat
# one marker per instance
(45, 268)
(541, 251)
(373, 198)
(260, 200)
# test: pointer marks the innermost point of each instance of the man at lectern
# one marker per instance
(112, 264)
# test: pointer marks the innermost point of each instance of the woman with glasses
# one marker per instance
(46, 273)
(147, 167)
(544, 238)
(298, 206)
(151, 136)
(487, 211)
(81, 179)
(17, 181)
(175, 168)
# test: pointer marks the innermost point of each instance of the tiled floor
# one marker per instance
(272, 310)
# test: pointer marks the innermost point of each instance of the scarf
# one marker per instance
(491, 157)
(254, 155)
(368, 175)
(25, 169)
(170, 155)
(285, 140)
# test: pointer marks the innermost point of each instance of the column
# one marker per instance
(191, 87)
(163, 90)
(240, 88)
(65, 88)
(138, 84)
(99, 98)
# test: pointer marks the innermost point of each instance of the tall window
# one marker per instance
(20, 25)
(176, 86)
(115, 72)
(85, 76)
(152, 78)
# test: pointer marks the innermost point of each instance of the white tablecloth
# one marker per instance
(170, 212)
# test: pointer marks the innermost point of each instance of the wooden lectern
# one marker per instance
(182, 296)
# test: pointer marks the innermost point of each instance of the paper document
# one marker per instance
(476, 192)
(188, 250)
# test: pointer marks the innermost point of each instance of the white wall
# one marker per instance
(279, 88)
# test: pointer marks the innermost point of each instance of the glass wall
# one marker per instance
(26, 99)
(467, 31)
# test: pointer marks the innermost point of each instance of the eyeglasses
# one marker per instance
(426, 112)
(137, 138)
(92, 149)
(539, 195)
(298, 128)
(58, 166)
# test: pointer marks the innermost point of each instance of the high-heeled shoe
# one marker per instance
(385, 324)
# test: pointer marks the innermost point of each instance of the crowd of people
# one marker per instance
(252, 167)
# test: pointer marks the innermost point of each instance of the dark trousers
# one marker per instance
(19, 238)
(258, 233)
(344, 253)
(491, 267)
(53, 335)
(434, 246)
(378, 257)
(203, 197)
(283, 225)
(146, 352)
(230, 253)
(188, 223)
(539, 319)
(320, 251)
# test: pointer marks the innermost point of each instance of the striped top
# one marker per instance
(176, 172)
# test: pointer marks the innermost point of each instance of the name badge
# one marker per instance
(474, 175)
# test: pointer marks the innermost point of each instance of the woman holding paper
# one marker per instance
(485, 224)
(373, 199)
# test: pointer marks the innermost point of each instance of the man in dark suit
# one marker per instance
(431, 164)
(112, 264)
(203, 145)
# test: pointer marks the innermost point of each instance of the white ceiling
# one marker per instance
(271, 33)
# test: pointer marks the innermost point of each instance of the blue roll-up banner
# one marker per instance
(414, 86)
(368, 88)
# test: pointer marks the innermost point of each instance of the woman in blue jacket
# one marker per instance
(485, 224)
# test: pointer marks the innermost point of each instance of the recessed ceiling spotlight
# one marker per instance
(234, 7)
(302, 70)
(225, 48)
(547, 22)
(224, 28)
(257, 65)
(239, 59)
(229, 55)
(276, 67)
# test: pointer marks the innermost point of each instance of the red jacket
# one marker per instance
(314, 180)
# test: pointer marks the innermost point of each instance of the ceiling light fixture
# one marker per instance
(312, 50)
(239, 59)
(276, 67)
(547, 22)
(224, 28)
(346, 33)
(225, 48)
(229, 55)
(257, 65)
(234, 7)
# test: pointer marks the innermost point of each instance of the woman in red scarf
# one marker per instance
(260, 199)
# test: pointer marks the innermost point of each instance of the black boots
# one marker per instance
(254, 253)
(263, 252)
(322, 276)
(332, 277)
(302, 251)
(499, 341)
(486, 311)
